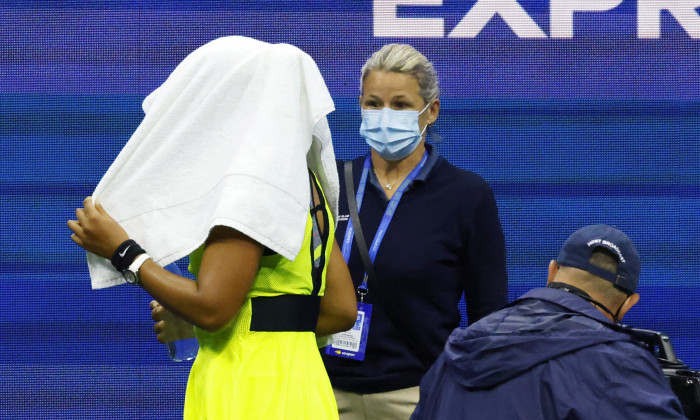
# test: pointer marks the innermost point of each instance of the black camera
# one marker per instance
(684, 381)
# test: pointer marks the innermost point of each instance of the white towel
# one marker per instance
(226, 140)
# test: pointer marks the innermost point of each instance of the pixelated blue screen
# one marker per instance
(595, 125)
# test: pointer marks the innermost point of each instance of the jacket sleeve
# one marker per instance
(621, 381)
(646, 393)
(486, 283)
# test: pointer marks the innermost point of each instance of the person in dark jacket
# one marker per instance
(557, 352)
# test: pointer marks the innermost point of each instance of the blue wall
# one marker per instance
(600, 127)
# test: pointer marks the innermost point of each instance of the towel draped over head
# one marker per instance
(226, 140)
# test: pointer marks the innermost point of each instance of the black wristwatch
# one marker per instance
(131, 274)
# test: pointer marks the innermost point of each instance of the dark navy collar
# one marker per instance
(433, 157)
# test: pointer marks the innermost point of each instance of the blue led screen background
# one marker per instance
(599, 127)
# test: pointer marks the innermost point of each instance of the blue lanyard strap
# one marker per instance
(388, 213)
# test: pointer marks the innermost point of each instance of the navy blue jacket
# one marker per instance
(551, 355)
(445, 238)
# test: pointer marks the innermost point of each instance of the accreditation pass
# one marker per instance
(351, 344)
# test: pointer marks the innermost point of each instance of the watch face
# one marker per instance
(130, 277)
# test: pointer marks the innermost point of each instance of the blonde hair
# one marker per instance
(403, 58)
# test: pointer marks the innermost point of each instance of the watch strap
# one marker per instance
(136, 265)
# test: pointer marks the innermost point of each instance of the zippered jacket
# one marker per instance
(548, 355)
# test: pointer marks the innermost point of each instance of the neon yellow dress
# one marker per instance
(244, 374)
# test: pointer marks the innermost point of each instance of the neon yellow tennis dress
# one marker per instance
(252, 370)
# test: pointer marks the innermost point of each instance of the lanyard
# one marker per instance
(388, 213)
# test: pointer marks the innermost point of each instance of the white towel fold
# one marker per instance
(226, 140)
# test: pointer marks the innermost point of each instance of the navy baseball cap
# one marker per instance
(578, 248)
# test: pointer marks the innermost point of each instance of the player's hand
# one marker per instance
(168, 326)
(95, 230)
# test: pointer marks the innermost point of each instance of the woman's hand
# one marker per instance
(95, 230)
(168, 326)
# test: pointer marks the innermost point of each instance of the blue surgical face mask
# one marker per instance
(392, 134)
